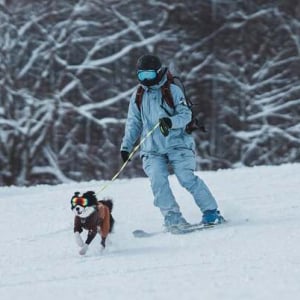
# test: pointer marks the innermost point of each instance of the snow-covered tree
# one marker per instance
(244, 76)
(67, 78)
(67, 70)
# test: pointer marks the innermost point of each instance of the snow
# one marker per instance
(255, 256)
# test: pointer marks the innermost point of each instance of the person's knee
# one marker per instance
(188, 179)
(158, 181)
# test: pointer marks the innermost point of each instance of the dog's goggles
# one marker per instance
(79, 201)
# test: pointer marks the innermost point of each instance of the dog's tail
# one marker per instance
(108, 203)
(110, 206)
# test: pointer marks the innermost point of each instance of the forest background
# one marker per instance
(67, 70)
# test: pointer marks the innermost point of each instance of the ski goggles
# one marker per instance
(146, 74)
(79, 201)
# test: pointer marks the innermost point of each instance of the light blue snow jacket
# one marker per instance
(153, 107)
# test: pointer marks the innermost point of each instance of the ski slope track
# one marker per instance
(256, 255)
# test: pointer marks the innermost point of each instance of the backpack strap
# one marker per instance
(170, 77)
(166, 90)
(139, 96)
(167, 95)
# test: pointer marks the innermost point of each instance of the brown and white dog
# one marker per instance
(93, 216)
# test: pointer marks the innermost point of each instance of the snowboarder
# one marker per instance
(170, 145)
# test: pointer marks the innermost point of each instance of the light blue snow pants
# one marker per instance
(183, 164)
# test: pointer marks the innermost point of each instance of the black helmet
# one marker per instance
(148, 62)
(152, 64)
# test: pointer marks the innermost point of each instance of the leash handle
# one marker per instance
(129, 157)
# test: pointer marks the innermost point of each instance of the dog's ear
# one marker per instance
(91, 196)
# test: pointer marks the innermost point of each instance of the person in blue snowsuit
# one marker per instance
(168, 145)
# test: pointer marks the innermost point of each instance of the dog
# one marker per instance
(92, 215)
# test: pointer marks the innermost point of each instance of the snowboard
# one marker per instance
(140, 233)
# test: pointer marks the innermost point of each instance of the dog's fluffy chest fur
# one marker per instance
(89, 223)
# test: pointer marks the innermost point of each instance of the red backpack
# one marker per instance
(168, 98)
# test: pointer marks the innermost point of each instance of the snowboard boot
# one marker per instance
(174, 222)
(212, 217)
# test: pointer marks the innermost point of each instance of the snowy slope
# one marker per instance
(255, 256)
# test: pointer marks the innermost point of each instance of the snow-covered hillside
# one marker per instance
(255, 256)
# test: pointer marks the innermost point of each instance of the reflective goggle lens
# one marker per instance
(146, 74)
(79, 201)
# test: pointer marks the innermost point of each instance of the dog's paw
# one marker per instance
(103, 242)
(78, 240)
(83, 249)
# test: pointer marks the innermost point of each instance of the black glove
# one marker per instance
(103, 242)
(164, 125)
(125, 155)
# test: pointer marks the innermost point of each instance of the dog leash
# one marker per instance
(129, 158)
